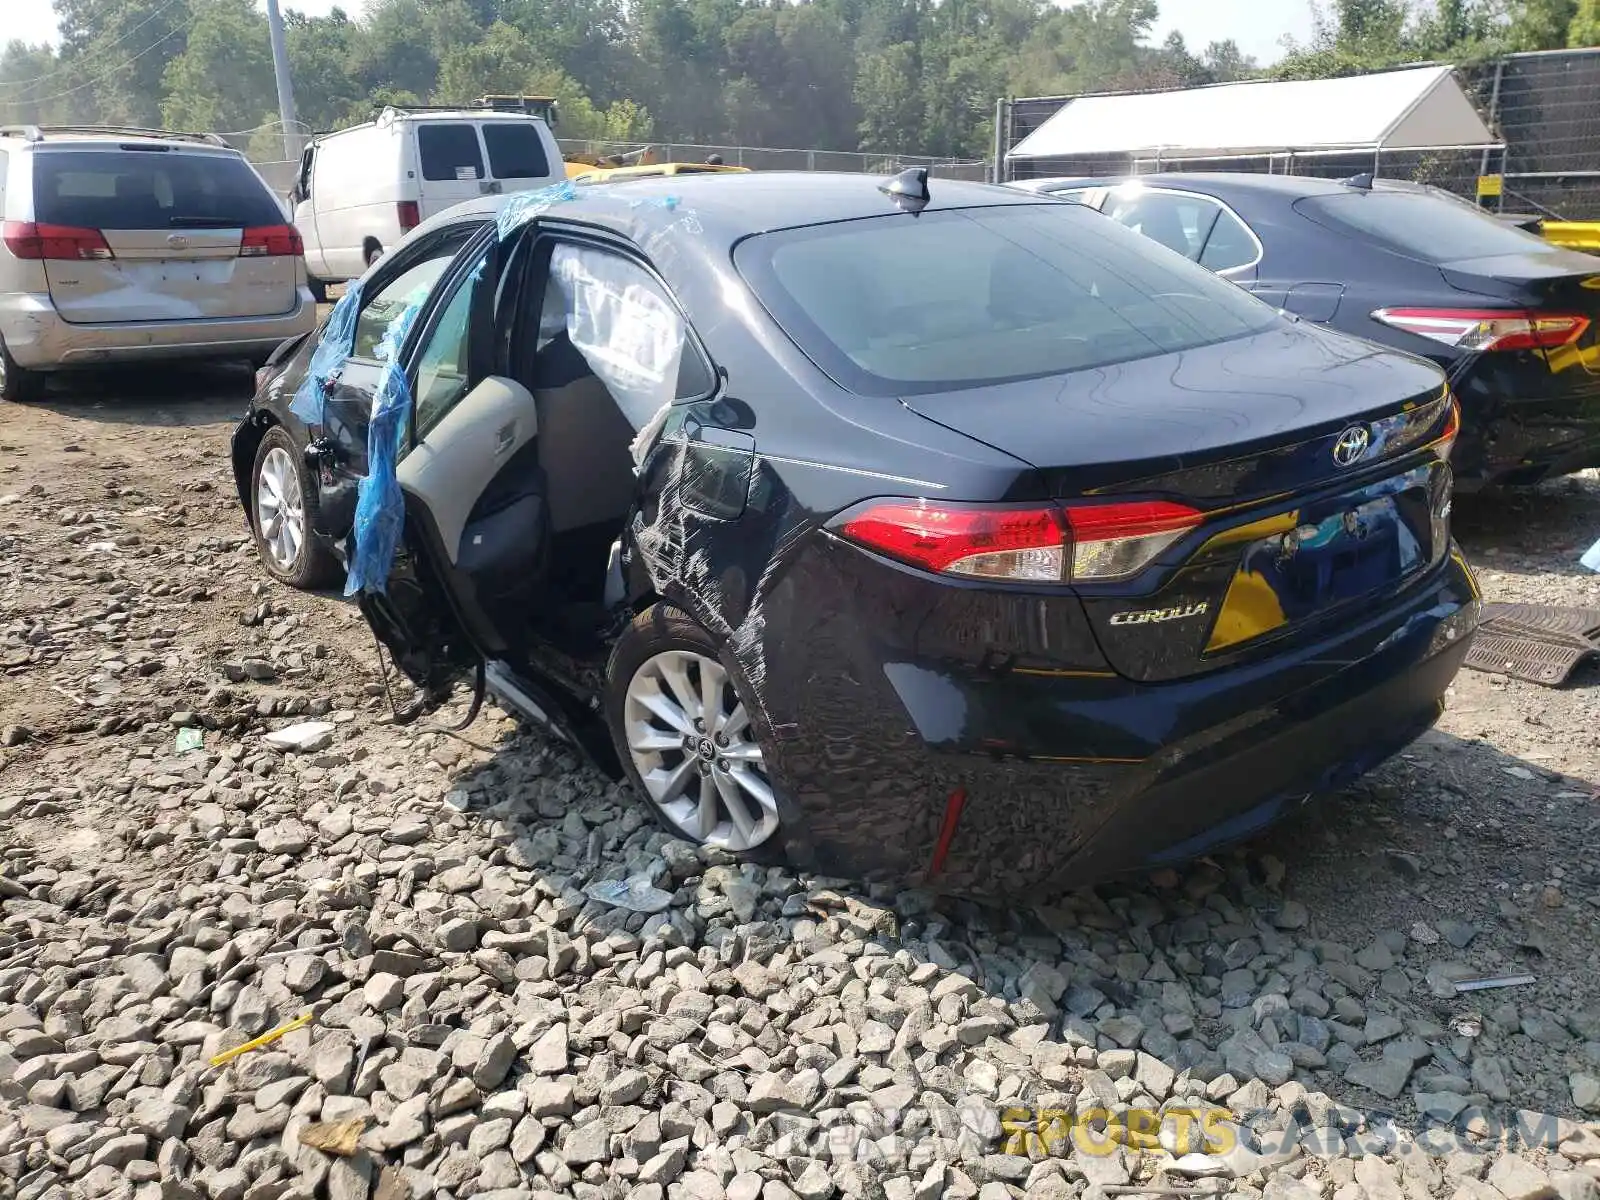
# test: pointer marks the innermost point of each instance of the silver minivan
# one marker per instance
(124, 245)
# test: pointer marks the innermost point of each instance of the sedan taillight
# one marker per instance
(55, 243)
(272, 241)
(1035, 544)
(1487, 329)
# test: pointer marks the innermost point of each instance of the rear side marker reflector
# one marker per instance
(1487, 329)
(947, 831)
(55, 243)
(1032, 544)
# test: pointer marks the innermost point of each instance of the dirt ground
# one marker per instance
(131, 601)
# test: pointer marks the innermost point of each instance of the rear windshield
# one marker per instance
(1425, 227)
(449, 151)
(898, 305)
(149, 189)
(516, 151)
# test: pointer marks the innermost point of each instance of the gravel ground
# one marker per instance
(1280, 1021)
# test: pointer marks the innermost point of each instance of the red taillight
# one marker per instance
(272, 241)
(1112, 541)
(1034, 544)
(1488, 329)
(410, 216)
(39, 243)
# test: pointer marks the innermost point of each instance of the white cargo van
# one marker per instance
(362, 189)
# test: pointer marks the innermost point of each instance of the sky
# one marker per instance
(1257, 25)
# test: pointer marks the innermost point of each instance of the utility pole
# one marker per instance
(280, 69)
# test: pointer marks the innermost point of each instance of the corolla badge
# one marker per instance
(1351, 445)
(1156, 616)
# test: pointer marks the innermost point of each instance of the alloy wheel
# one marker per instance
(694, 748)
(280, 509)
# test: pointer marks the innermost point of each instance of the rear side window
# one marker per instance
(449, 152)
(1230, 245)
(1427, 228)
(516, 151)
(896, 305)
(1178, 222)
(149, 189)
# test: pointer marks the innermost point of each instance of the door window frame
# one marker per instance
(483, 247)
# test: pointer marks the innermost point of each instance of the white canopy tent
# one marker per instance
(1420, 108)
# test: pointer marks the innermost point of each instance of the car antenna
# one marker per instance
(1363, 181)
(909, 189)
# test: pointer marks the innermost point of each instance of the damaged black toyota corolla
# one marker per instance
(961, 538)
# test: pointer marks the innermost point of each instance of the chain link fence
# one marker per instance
(280, 175)
(758, 158)
(1546, 107)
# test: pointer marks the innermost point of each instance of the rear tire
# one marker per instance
(684, 738)
(17, 384)
(283, 510)
(318, 289)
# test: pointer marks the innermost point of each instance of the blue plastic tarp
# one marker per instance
(380, 508)
(338, 340)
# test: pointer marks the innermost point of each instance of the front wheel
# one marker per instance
(684, 736)
(282, 512)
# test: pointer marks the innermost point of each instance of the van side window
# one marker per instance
(515, 150)
(449, 151)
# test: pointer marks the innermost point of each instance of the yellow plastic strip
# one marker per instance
(266, 1039)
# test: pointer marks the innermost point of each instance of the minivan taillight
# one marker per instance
(1083, 543)
(1487, 329)
(54, 243)
(410, 215)
(272, 241)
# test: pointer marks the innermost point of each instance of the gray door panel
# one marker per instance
(460, 456)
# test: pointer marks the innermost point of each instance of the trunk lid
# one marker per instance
(1225, 423)
(173, 221)
(1297, 532)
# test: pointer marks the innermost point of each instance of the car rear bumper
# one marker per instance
(1044, 780)
(40, 340)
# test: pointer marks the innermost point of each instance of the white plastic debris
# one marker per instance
(636, 895)
(1591, 557)
(302, 738)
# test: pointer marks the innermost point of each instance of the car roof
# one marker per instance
(80, 137)
(731, 205)
(1234, 182)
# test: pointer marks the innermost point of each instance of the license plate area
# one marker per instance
(1341, 550)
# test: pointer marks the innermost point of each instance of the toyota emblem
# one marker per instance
(177, 241)
(1351, 445)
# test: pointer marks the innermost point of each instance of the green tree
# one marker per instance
(223, 80)
(118, 52)
(320, 49)
(1585, 28)
(890, 100)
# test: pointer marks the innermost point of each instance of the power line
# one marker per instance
(101, 78)
(96, 52)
